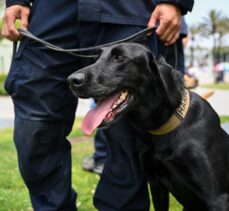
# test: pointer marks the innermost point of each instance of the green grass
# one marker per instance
(2, 80)
(13, 193)
(76, 131)
(84, 182)
(224, 119)
(224, 86)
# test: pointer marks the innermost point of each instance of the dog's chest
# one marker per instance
(156, 156)
(161, 163)
(160, 160)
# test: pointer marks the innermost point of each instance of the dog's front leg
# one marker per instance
(202, 174)
(160, 195)
(222, 203)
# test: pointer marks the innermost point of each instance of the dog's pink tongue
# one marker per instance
(95, 116)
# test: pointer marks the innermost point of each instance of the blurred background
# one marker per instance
(206, 47)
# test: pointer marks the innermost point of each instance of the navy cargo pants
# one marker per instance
(45, 110)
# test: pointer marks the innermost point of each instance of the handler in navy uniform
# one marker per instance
(45, 107)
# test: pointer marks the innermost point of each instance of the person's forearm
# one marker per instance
(17, 2)
(183, 5)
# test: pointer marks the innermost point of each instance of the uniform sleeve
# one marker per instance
(183, 5)
(17, 2)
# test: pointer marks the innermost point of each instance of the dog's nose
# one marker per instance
(76, 79)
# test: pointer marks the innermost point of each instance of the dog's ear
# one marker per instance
(170, 81)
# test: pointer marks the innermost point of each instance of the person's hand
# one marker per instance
(13, 13)
(169, 17)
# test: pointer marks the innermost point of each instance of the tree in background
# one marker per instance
(217, 26)
(194, 31)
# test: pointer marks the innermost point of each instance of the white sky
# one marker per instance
(202, 7)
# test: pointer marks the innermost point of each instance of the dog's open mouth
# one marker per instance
(106, 111)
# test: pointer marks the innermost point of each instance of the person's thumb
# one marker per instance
(153, 20)
(24, 17)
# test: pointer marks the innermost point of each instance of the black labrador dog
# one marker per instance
(184, 150)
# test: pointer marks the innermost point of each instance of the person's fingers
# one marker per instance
(171, 35)
(153, 20)
(24, 18)
(12, 32)
(172, 39)
(9, 29)
(13, 13)
(164, 32)
(170, 20)
(170, 30)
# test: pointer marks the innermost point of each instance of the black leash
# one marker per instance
(78, 52)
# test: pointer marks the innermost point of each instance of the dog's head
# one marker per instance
(121, 79)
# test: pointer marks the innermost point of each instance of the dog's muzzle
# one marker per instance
(76, 80)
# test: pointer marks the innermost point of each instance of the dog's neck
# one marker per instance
(175, 120)
(154, 111)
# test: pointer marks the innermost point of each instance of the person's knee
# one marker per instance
(43, 153)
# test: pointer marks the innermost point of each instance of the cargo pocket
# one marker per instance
(11, 77)
(14, 69)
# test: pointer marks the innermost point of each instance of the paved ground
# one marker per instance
(7, 111)
(219, 101)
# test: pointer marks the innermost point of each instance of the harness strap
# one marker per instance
(176, 119)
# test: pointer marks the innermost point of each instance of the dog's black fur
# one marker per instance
(191, 162)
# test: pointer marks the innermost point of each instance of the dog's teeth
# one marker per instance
(119, 101)
(114, 105)
(123, 95)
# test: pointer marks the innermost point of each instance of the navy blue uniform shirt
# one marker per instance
(184, 28)
(130, 12)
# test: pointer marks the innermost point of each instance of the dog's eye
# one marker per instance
(118, 58)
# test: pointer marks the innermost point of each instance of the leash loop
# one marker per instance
(82, 52)
(78, 52)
